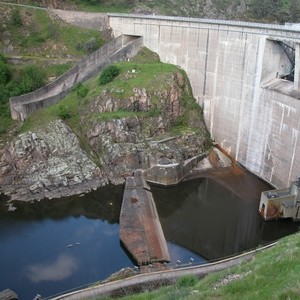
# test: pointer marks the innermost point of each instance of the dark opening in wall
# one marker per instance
(290, 53)
(279, 70)
(278, 60)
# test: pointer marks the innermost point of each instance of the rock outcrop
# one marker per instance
(49, 162)
(141, 140)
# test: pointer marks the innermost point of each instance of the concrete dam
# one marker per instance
(246, 76)
(238, 74)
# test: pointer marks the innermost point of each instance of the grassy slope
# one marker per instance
(42, 41)
(150, 76)
(272, 274)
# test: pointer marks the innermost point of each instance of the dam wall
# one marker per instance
(237, 71)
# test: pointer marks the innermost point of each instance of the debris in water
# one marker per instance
(11, 207)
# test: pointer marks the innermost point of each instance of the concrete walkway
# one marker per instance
(116, 287)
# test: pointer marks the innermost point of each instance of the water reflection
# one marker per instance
(102, 204)
(61, 268)
(55, 245)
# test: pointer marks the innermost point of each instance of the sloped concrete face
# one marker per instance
(229, 65)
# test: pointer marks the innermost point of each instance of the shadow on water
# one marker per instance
(217, 217)
(104, 204)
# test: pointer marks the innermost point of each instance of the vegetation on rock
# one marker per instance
(34, 50)
(147, 112)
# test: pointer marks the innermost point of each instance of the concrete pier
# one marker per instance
(140, 228)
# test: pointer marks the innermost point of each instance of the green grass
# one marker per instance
(151, 76)
(272, 274)
(38, 40)
(57, 70)
(39, 35)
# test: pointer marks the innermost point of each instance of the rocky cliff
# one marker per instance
(121, 134)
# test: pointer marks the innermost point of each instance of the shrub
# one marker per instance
(4, 94)
(187, 281)
(81, 90)
(63, 112)
(108, 74)
(2, 58)
(91, 46)
(32, 78)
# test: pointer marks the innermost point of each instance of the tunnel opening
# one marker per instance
(289, 51)
(279, 72)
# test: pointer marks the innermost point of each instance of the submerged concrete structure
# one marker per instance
(237, 71)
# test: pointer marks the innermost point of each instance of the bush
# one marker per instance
(81, 90)
(2, 58)
(187, 281)
(32, 78)
(4, 94)
(108, 74)
(63, 112)
(91, 46)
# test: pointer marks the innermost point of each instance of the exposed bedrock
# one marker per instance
(49, 162)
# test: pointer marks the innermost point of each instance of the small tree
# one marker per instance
(64, 112)
(108, 74)
(81, 90)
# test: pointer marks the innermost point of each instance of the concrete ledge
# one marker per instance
(172, 173)
(208, 21)
(140, 228)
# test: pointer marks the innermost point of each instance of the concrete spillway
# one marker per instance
(140, 229)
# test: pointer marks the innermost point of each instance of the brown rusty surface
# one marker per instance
(140, 228)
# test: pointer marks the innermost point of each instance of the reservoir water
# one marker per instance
(51, 246)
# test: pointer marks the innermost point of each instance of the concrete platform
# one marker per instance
(140, 228)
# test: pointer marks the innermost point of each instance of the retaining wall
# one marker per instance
(121, 48)
(229, 65)
(89, 20)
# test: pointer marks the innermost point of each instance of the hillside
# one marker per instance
(104, 130)
(35, 48)
(248, 10)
